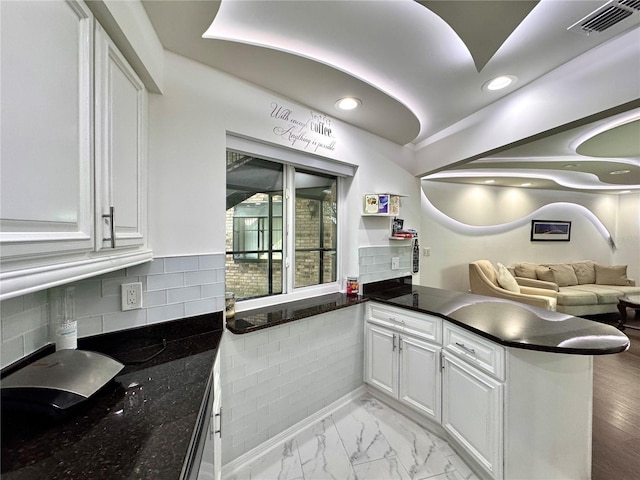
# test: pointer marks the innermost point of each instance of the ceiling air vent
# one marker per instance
(607, 15)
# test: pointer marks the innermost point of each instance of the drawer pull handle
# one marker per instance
(467, 349)
(394, 319)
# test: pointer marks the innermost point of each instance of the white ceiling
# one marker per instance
(418, 67)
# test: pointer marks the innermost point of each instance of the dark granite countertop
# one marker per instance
(507, 323)
(260, 318)
(138, 426)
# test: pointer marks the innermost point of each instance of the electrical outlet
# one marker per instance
(427, 251)
(395, 263)
(131, 296)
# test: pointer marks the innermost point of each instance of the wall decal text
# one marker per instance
(310, 131)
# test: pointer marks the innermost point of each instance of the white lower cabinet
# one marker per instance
(402, 365)
(211, 462)
(472, 412)
(419, 375)
(382, 361)
(514, 414)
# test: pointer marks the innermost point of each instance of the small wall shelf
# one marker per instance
(381, 205)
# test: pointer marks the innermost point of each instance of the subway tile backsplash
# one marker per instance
(172, 288)
(374, 263)
(277, 377)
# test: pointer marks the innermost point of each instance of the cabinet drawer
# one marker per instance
(484, 354)
(421, 325)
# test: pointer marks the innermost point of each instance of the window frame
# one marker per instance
(306, 162)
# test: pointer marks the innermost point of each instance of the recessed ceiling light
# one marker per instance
(619, 172)
(498, 83)
(526, 184)
(489, 181)
(348, 103)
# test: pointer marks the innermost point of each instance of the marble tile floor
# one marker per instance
(364, 440)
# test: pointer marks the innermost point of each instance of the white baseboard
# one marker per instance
(235, 465)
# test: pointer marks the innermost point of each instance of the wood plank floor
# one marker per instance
(616, 411)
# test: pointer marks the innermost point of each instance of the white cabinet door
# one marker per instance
(420, 376)
(211, 462)
(46, 205)
(121, 106)
(381, 359)
(472, 412)
(217, 431)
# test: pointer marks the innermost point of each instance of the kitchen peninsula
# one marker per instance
(490, 376)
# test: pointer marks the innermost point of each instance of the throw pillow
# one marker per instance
(564, 275)
(611, 275)
(585, 272)
(525, 270)
(506, 280)
(545, 273)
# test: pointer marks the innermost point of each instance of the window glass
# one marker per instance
(315, 229)
(254, 236)
(257, 209)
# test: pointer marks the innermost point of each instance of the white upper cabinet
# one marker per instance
(121, 106)
(47, 129)
(73, 146)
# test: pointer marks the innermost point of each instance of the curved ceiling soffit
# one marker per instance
(376, 103)
(546, 211)
(305, 89)
(475, 23)
(568, 179)
(621, 141)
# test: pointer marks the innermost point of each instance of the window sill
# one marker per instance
(266, 317)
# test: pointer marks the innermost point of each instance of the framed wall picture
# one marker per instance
(550, 231)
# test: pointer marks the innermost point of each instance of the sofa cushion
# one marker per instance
(506, 280)
(611, 275)
(585, 271)
(564, 275)
(525, 270)
(545, 273)
(573, 296)
(604, 293)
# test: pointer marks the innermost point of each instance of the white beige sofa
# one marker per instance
(483, 279)
(582, 288)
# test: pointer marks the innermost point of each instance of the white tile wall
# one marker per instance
(374, 263)
(274, 378)
(173, 288)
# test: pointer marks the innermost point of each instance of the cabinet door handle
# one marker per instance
(219, 431)
(394, 344)
(112, 226)
(467, 349)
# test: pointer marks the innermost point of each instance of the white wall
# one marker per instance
(628, 235)
(452, 249)
(187, 163)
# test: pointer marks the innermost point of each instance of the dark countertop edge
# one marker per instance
(318, 309)
(506, 343)
(386, 292)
